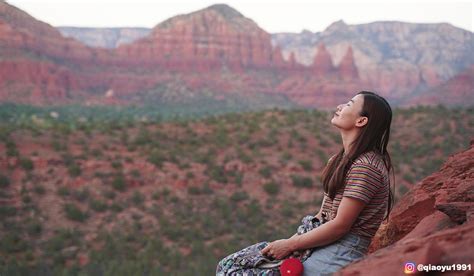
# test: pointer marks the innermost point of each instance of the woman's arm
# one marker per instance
(347, 213)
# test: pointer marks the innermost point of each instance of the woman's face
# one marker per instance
(347, 115)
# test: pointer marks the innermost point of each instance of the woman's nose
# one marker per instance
(339, 107)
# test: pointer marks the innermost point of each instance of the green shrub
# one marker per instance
(217, 173)
(34, 228)
(206, 189)
(26, 164)
(156, 158)
(26, 199)
(74, 169)
(239, 196)
(4, 181)
(189, 175)
(193, 190)
(119, 183)
(239, 177)
(271, 188)
(323, 142)
(116, 207)
(109, 194)
(96, 153)
(62, 238)
(63, 191)
(98, 205)
(58, 146)
(244, 157)
(287, 209)
(165, 192)
(302, 181)
(38, 189)
(322, 156)
(7, 211)
(286, 156)
(307, 165)
(116, 164)
(135, 173)
(74, 213)
(266, 171)
(81, 195)
(155, 195)
(143, 137)
(11, 148)
(408, 177)
(403, 189)
(13, 243)
(137, 198)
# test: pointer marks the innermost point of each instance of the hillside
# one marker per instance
(397, 58)
(46, 68)
(220, 56)
(456, 90)
(90, 190)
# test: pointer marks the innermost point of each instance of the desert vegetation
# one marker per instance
(114, 192)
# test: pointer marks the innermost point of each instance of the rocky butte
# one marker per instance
(214, 51)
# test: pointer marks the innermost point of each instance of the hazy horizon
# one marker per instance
(303, 15)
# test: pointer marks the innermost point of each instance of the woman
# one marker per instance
(356, 191)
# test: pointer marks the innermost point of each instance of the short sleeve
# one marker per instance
(363, 181)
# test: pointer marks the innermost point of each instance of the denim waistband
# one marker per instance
(356, 240)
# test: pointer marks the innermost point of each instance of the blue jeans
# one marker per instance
(330, 258)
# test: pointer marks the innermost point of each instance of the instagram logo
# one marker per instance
(409, 268)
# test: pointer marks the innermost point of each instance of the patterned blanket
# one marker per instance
(249, 261)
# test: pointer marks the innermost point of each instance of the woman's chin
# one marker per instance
(335, 124)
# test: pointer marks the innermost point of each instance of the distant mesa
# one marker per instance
(218, 51)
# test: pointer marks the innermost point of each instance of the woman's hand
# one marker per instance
(278, 249)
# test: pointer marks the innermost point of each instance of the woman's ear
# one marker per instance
(362, 121)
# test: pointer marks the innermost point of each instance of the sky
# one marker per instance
(272, 15)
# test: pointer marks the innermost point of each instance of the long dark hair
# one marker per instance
(374, 136)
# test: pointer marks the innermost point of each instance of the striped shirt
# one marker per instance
(366, 180)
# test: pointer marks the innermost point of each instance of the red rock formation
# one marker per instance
(277, 57)
(429, 76)
(458, 90)
(206, 39)
(292, 61)
(322, 64)
(21, 32)
(431, 224)
(35, 81)
(38, 64)
(215, 49)
(347, 68)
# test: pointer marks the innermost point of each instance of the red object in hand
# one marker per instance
(291, 267)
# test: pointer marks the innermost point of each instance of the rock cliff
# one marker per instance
(432, 224)
(459, 90)
(220, 51)
(205, 40)
(396, 58)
